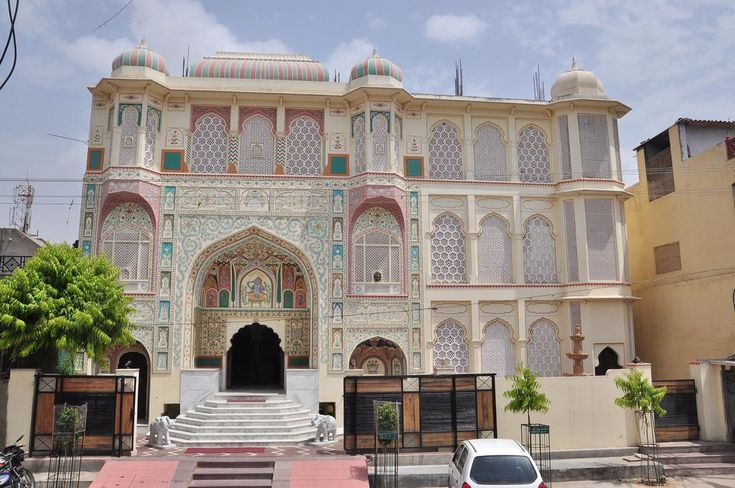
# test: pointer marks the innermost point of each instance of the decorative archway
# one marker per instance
(379, 356)
(136, 357)
(255, 359)
(297, 307)
(607, 359)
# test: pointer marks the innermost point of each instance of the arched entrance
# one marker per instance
(607, 359)
(379, 356)
(255, 359)
(138, 360)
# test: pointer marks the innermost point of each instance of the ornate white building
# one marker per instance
(364, 226)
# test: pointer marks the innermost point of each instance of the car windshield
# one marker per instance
(502, 470)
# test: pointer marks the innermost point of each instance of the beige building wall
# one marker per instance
(686, 314)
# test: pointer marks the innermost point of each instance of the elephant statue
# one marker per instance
(326, 428)
(159, 432)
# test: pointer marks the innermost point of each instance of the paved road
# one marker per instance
(724, 481)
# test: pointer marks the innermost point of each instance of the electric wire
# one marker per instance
(12, 14)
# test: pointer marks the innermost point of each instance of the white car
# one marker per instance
(500, 463)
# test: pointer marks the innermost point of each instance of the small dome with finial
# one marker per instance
(577, 83)
(376, 66)
(140, 56)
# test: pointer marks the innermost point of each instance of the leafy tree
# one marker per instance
(63, 301)
(640, 394)
(525, 395)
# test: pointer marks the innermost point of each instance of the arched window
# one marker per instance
(539, 251)
(127, 236)
(448, 253)
(358, 136)
(381, 161)
(303, 147)
(152, 124)
(450, 347)
(257, 146)
(129, 135)
(544, 352)
(498, 350)
(209, 145)
(490, 154)
(377, 253)
(495, 256)
(533, 155)
(445, 152)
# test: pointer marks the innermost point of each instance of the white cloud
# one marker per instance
(454, 28)
(93, 53)
(375, 22)
(346, 55)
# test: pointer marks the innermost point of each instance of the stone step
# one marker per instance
(700, 469)
(234, 443)
(244, 417)
(221, 429)
(693, 446)
(257, 483)
(234, 409)
(238, 473)
(243, 436)
(696, 458)
(238, 401)
(234, 463)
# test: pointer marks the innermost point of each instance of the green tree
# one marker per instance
(524, 394)
(63, 301)
(640, 394)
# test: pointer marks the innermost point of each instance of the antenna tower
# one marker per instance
(458, 78)
(538, 86)
(20, 216)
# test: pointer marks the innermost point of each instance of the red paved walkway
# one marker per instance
(135, 474)
(320, 474)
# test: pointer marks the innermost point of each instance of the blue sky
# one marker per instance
(665, 59)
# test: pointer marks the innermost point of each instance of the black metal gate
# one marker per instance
(728, 384)
(110, 404)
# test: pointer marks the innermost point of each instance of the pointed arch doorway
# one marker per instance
(255, 359)
(137, 358)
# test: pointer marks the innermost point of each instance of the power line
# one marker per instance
(11, 35)
(113, 16)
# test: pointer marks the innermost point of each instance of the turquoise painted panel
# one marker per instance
(288, 299)
(415, 167)
(172, 161)
(339, 165)
(95, 159)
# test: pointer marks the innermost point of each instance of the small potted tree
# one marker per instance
(644, 399)
(387, 423)
(525, 395)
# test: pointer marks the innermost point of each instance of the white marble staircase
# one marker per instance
(239, 419)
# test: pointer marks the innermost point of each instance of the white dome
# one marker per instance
(577, 83)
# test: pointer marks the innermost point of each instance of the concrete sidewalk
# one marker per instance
(724, 481)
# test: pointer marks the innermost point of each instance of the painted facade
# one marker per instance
(369, 227)
(681, 239)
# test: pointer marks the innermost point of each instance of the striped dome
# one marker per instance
(260, 67)
(141, 56)
(375, 65)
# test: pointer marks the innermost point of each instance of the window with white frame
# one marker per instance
(498, 350)
(152, 126)
(533, 155)
(489, 150)
(495, 253)
(445, 152)
(209, 145)
(448, 251)
(544, 351)
(539, 251)
(304, 149)
(377, 251)
(381, 149)
(358, 138)
(129, 135)
(450, 347)
(257, 146)
(127, 236)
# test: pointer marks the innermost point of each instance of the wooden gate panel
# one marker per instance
(680, 402)
(110, 404)
(438, 411)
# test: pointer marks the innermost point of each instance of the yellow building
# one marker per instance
(681, 236)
